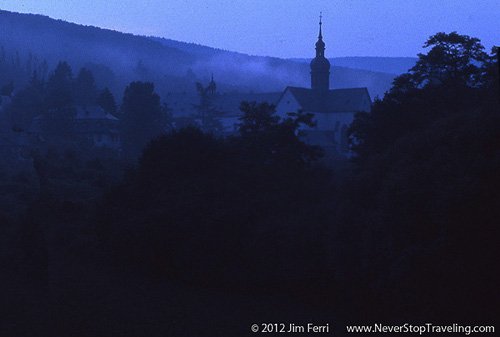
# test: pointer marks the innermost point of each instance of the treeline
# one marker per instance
(40, 119)
(16, 69)
(57, 98)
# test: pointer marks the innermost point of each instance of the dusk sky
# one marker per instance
(284, 28)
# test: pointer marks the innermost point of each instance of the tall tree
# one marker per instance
(257, 118)
(452, 59)
(27, 104)
(85, 91)
(447, 80)
(141, 117)
(206, 109)
(271, 138)
(107, 102)
(59, 111)
(425, 180)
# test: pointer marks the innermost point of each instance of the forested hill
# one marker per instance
(116, 58)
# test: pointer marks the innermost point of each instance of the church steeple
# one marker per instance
(320, 23)
(320, 66)
(212, 87)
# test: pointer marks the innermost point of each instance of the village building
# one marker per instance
(91, 123)
(98, 126)
(333, 110)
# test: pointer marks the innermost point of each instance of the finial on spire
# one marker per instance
(320, 36)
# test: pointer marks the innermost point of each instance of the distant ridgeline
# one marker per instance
(117, 58)
(333, 109)
(32, 46)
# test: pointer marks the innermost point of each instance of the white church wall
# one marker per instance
(287, 104)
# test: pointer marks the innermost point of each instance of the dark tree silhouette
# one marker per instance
(204, 202)
(106, 100)
(273, 139)
(447, 80)
(142, 118)
(167, 117)
(26, 105)
(427, 161)
(257, 118)
(207, 112)
(57, 119)
(85, 91)
(453, 59)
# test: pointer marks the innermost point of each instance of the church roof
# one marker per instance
(336, 100)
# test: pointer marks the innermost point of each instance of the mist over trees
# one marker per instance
(117, 59)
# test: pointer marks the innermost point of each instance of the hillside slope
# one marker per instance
(117, 58)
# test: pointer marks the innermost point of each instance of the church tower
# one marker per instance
(320, 66)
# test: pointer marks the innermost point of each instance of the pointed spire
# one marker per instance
(320, 45)
(320, 66)
(320, 36)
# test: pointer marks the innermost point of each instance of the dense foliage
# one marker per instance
(141, 117)
(426, 180)
(231, 209)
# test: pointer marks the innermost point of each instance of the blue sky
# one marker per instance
(284, 28)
